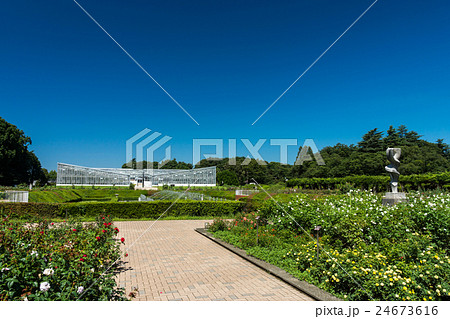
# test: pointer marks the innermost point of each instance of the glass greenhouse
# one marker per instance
(69, 175)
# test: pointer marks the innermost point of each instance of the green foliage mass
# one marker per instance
(368, 158)
(18, 164)
(132, 210)
(377, 183)
(169, 164)
(53, 196)
(72, 267)
(367, 250)
(227, 177)
(63, 195)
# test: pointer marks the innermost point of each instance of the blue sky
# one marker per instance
(79, 97)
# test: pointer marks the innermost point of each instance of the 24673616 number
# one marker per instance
(407, 310)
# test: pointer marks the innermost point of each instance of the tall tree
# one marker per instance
(445, 148)
(392, 138)
(17, 164)
(372, 141)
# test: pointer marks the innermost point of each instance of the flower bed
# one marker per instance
(368, 251)
(65, 261)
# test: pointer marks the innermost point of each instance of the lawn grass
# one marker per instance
(64, 195)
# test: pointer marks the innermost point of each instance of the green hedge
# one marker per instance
(20, 210)
(97, 199)
(122, 210)
(54, 196)
(378, 183)
(64, 195)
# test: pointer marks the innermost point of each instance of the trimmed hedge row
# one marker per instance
(19, 210)
(54, 196)
(377, 183)
(65, 195)
(152, 209)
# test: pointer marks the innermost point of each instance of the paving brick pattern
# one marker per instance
(173, 262)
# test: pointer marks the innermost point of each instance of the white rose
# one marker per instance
(45, 286)
(49, 272)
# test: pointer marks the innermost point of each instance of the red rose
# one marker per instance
(52, 224)
(122, 240)
(84, 255)
(74, 229)
(81, 259)
(109, 224)
(103, 217)
(126, 255)
(105, 224)
(116, 229)
(104, 231)
(41, 232)
(98, 238)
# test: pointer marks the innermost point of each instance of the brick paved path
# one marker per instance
(173, 262)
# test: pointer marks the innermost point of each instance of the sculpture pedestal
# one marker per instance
(390, 199)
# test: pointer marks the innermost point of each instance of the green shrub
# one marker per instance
(135, 210)
(394, 252)
(219, 224)
(54, 196)
(64, 261)
(376, 183)
(30, 210)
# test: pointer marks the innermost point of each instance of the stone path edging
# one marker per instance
(307, 288)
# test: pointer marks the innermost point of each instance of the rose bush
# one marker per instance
(41, 260)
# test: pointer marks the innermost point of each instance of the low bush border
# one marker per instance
(378, 183)
(123, 210)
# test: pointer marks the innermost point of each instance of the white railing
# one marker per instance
(14, 196)
(245, 192)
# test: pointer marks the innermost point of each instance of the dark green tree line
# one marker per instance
(18, 164)
(367, 157)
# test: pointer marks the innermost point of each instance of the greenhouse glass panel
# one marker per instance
(69, 175)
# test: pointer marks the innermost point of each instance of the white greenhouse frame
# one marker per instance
(69, 175)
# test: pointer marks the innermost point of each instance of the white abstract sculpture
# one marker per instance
(394, 197)
(393, 155)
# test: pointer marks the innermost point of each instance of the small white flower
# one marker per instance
(25, 299)
(5, 269)
(45, 286)
(49, 272)
(80, 290)
(34, 253)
